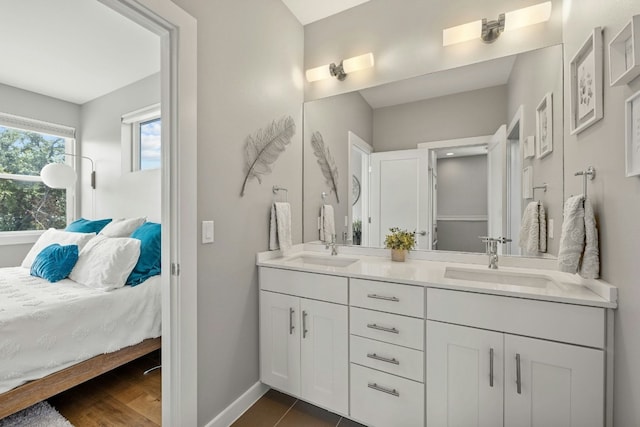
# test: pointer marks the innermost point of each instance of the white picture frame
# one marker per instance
(529, 150)
(586, 83)
(544, 126)
(527, 183)
(624, 54)
(632, 135)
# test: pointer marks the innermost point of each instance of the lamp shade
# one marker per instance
(58, 175)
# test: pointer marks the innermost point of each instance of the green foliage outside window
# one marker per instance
(29, 205)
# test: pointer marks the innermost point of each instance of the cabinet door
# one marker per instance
(280, 341)
(460, 388)
(325, 356)
(561, 385)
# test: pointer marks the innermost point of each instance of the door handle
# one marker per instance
(374, 356)
(423, 233)
(518, 376)
(376, 296)
(304, 324)
(382, 328)
(291, 327)
(390, 391)
(491, 367)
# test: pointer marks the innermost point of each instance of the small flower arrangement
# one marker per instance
(400, 239)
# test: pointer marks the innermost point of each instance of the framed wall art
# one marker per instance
(544, 126)
(632, 135)
(586, 83)
(624, 54)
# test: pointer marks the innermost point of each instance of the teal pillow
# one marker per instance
(87, 226)
(55, 262)
(150, 253)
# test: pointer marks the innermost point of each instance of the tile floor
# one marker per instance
(278, 409)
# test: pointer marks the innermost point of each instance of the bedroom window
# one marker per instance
(141, 139)
(26, 146)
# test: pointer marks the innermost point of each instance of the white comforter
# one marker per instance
(46, 327)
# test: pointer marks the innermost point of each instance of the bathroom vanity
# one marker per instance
(436, 343)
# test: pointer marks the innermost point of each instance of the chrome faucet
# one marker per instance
(492, 249)
(333, 245)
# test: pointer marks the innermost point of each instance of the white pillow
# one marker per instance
(122, 227)
(106, 262)
(52, 236)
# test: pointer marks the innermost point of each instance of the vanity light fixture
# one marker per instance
(341, 70)
(489, 31)
(61, 175)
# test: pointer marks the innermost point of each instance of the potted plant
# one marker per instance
(400, 242)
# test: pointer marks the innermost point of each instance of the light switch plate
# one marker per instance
(207, 232)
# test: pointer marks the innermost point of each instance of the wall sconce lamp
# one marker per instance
(61, 175)
(489, 31)
(341, 70)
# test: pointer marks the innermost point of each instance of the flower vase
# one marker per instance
(398, 255)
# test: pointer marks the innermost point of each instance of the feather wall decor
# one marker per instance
(264, 147)
(326, 162)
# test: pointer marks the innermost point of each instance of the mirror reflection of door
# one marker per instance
(399, 194)
(496, 169)
(359, 152)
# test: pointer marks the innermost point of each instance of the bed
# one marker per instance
(54, 336)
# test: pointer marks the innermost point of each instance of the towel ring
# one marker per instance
(276, 189)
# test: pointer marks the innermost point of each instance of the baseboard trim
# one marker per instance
(239, 406)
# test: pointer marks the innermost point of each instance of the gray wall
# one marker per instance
(462, 193)
(616, 199)
(333, 117)
(117, 193)
(35, 106)
(406, 39)
(249, 72)
(461, 115)
(534, 75)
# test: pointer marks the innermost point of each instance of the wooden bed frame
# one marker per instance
(36, 391)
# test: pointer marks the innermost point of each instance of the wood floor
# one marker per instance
(122, 397)
(277, 409)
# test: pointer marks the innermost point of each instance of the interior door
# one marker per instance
(497, 186)
(325, 354)
(465, 378)
(280, 341)
(399, 194)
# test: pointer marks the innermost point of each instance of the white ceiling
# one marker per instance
(75, 50)
(473, 150)
(457, 80)
(308, 11)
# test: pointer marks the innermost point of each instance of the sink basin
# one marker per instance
(327, 261)
(529, 280)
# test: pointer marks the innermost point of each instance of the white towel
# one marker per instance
(280, 227)
(578, 251)
(533, 231)
(327, 224)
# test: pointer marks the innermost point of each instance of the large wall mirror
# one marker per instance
(453, 155)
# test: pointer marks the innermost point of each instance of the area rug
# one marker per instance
(39, 415)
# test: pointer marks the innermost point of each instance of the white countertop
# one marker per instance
(573, 289)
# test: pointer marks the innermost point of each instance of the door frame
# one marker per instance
(178, 34)
(356, 142)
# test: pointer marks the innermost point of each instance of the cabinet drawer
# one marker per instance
(401, 361)
(383, 400)
(391, 328)
(389, 297)
(309, 285)
(540, 319)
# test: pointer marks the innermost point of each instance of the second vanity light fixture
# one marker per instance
(340, 70)
(489, 31)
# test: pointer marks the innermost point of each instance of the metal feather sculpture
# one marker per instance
(263, 148)
(326, 162)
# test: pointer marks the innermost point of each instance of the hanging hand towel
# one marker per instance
(578, 251)
(327, 223)
(530, 229)
(280, 227)
(590, 265)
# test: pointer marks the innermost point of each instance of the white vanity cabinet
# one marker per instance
(481, 371)
(304, 336)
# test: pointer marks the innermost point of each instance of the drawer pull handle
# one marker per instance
(383, 359)
(382, 328)
(291, 327)
(392, 392)
(491, 367)
(304, 324)
(518, 376)
(382, 297)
